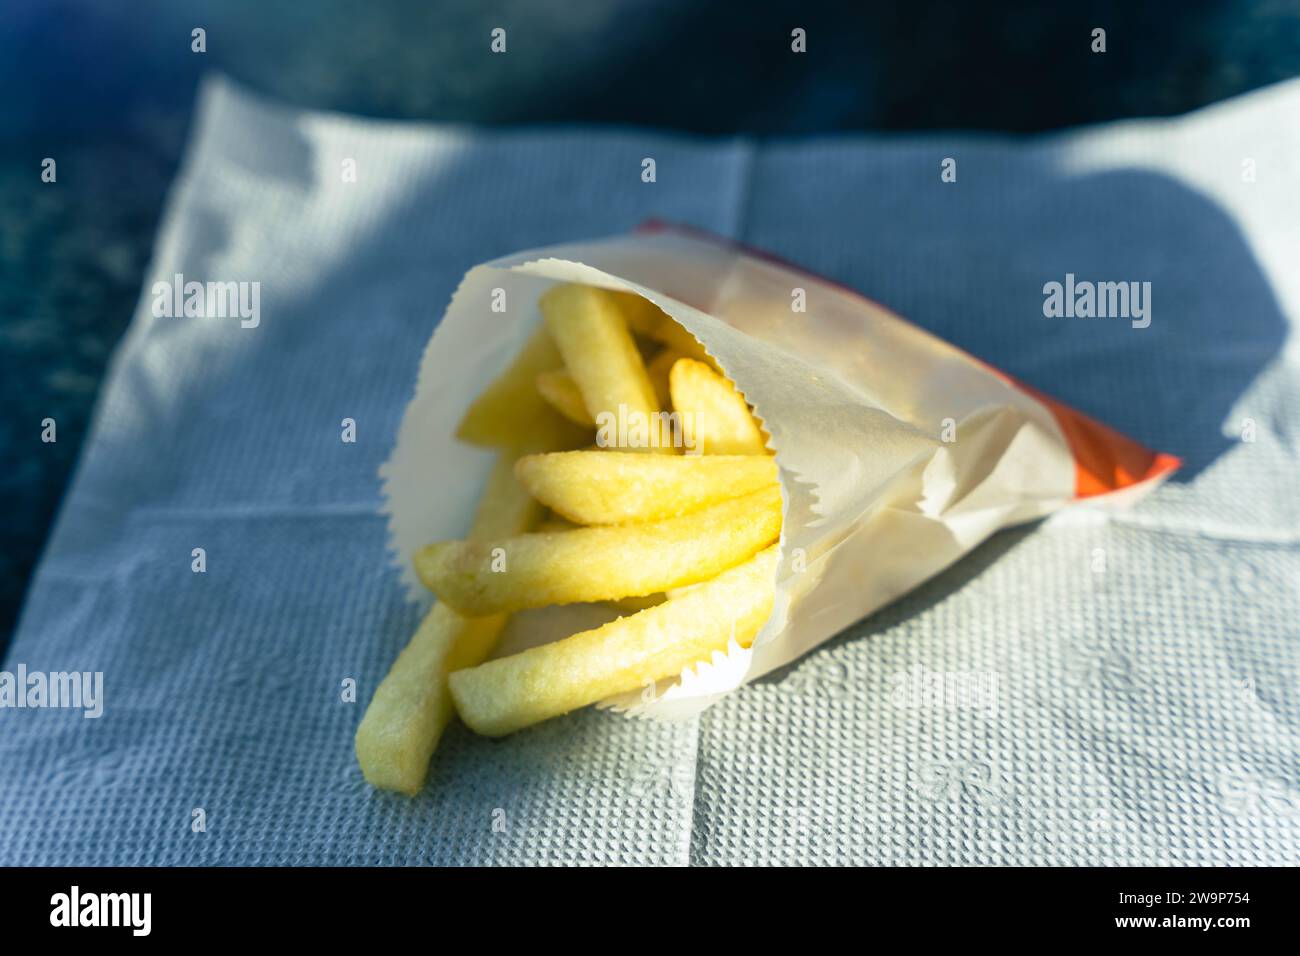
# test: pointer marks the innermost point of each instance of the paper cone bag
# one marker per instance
(898, 453)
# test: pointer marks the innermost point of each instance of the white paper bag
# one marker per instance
(898, 453)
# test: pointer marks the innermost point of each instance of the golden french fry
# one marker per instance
(589, 329)
(599, 564)
(411, 706)
(561, 392)
(504, 695)
(611, 487)
(506, 411)
(714, 415)
(658, 369)
(552, 522)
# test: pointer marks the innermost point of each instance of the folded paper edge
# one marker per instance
(1105, 460)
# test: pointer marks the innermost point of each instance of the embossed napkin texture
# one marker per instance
(1140, 693)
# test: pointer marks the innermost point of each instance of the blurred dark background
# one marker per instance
(107, 87)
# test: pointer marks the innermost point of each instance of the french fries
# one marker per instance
(610, 487)
(561, 392)
(508, 408)
(590, 330)
(716, 419)
(478, 578)
(411, 706)
(682, 545)
(553, 523)
(504, 695)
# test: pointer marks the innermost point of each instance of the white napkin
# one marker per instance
(1093, 690)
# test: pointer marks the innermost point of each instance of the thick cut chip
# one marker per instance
(508, 408)
(411, 706)
(509, 693)
(561, 392)
(591, 333)
(478, 578)
(610, 487)
(714, 415)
